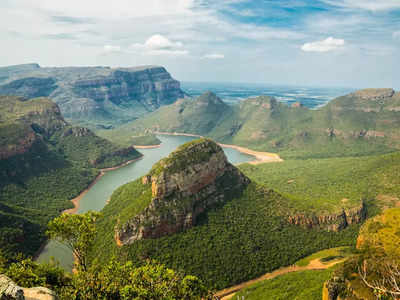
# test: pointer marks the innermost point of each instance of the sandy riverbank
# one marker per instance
(77, 199)
(261, 157)
(146, 147)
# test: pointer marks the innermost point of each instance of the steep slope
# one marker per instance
(94, 95)
(362, 123)
(44, 162)
(198, 213)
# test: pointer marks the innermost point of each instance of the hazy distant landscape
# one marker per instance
(311, 97)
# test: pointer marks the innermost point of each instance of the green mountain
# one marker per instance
(361, 123)
(44, 162)
(196, 212)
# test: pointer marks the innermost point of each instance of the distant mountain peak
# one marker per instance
(210, 97)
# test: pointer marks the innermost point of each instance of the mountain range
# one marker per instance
(94, 96)
(360, 123)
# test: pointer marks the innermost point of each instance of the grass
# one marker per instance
(327, 256)
(303, 285)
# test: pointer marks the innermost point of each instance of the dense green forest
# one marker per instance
(245, 238)
(44, 162)
(330, 184)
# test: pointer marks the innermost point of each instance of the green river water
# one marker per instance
(97, 196)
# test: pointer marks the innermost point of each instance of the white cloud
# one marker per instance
(371, 5)
(159, 45)
(111, 49)
(326, 45)
(159, 42)
(396, 35)
(214, 56)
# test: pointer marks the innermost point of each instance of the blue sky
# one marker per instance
(352, 43)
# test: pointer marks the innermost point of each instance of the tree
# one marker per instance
(382, 275)
(114, 280)
(77, 232)
(379, 241)
(125, 281)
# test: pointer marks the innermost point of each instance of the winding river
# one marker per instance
(99, 193)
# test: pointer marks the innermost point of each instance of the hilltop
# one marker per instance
(196, 212)
(361, 123)
(44, 162)
(95, 96)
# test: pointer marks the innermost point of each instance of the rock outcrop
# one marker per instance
(374, 94)
(191, 180)
(10, 291)
(331, 222)
(99, 93)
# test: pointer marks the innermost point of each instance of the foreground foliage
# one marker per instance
(107, 280)
(375, 273)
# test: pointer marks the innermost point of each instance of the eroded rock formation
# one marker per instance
(331, 222)
(101, 93)
(193, 179)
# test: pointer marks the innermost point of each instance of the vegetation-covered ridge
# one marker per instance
(194, 152)
(358, 124)
(177, 190)
(44, 162)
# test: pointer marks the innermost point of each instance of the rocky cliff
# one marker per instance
(191, 180)
(10, 291)
(99, 93)
(331, 222)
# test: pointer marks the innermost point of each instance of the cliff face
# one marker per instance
(30, 87)
(10, 291)
(193, 179)
(331, 222)
(98, 93)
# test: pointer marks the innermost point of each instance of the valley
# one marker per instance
(97, 196)
(223, 192)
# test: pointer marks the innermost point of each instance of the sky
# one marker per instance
(349, 43)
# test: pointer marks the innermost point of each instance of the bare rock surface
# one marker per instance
(10, 291)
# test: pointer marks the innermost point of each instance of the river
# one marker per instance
(97, 196)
